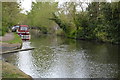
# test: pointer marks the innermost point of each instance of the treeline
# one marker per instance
(100, 21)
(80, 20)
(11, 15)
(40, 14)
(37, 17)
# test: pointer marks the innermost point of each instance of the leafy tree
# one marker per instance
(40, 14)
(10, 15)
(100, 21)
(113, 19)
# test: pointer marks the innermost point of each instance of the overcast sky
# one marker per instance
(26, 4)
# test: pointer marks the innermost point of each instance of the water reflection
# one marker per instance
(56, 57)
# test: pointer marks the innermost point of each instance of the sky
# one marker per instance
(26, 4)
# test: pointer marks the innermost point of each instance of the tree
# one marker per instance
(40, 14)
(10, 13)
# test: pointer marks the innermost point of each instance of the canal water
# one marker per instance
(59, 57)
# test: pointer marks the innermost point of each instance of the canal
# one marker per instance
(59, 57)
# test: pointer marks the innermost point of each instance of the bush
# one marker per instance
(3, 30)
(60, 32)
(44, 30)
(100, 33)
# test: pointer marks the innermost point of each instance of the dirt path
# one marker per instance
(4, 46)
(7, 37)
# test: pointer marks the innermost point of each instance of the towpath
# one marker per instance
(4, 46)
(7, 37)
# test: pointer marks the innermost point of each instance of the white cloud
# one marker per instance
(26, 5)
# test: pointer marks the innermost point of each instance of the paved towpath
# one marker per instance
(4, 46)
(7, 37)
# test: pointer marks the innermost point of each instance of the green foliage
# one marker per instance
(17, 39)
(65, 23)
(60, 32)
(44, 30)
(100, 21)
(40, 14)
(100, 33)
(11, 15)
(3, 30)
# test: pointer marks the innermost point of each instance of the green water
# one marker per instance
(58, 57)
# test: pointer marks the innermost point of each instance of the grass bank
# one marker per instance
(16, 39)
(10, 71)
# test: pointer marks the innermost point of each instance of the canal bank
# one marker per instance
(9, 42)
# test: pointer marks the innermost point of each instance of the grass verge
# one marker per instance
(10, 71)
(16, 39)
